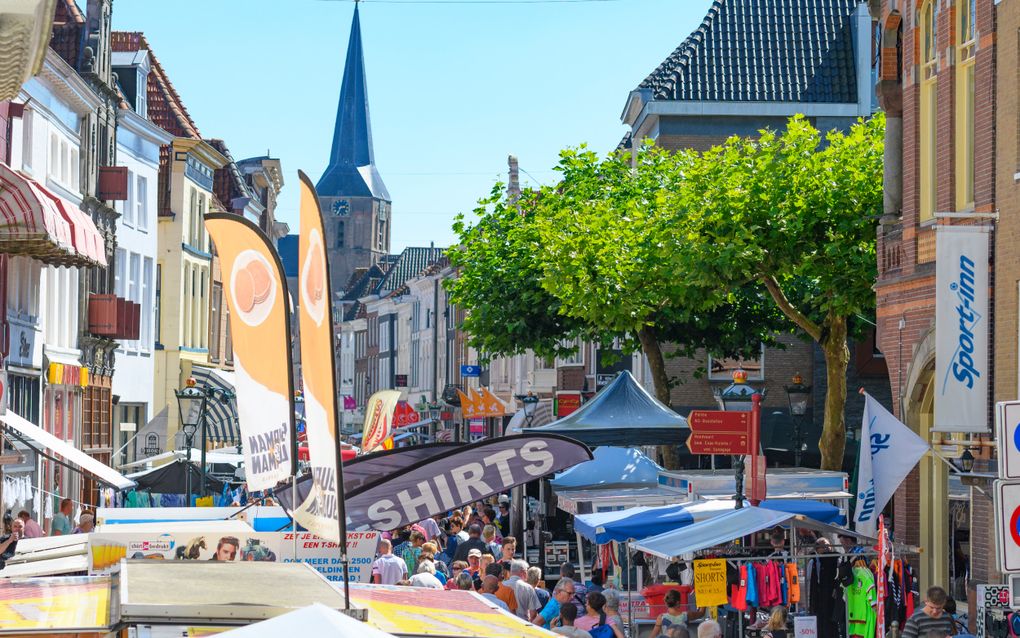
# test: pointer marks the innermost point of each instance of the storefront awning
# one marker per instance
(33, 435)
(39, 224)
(221, 415)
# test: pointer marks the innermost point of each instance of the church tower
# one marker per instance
(354, 200)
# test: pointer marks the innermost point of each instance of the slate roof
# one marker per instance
(165, 106)
(351, 171)
(410, 263)
(764, 51)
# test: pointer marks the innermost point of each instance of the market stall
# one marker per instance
(313, 620)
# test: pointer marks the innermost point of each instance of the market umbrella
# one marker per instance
(314, 620)
(622, 413)
(172, 478)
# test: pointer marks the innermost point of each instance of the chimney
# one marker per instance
(513, 188)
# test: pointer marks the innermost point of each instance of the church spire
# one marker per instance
(351, 171)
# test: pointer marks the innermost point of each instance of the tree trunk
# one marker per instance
(837, 357)
(660, 380)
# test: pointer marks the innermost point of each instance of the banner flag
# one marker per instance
(256, 293)
(961, 329)
(491, 405)
(378, 420)
(405, 485)
(889, 450)
(321, 512)
(468, 407)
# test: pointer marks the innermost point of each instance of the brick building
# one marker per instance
(936, 84)
(815, 58)
(1007, 233)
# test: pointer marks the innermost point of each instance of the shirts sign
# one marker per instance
(710, 582)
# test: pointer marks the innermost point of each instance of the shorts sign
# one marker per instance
(710, 582)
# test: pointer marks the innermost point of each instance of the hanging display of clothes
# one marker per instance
(861, 597)
(822, 593)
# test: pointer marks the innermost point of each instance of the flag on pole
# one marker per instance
(889, 450)
(256, 294)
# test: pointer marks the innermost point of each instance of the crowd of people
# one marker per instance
(24, 526)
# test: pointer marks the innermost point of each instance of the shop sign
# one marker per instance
(108, 548)
(567, 402)
(961, 329)
(64, 374)
(710, 582)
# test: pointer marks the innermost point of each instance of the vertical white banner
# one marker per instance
(961, 328)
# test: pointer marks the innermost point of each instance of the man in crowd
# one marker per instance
(474, 541)
(474, 563)
(501, 571)
(581, 592)
(709, 629)
(61, 523)
(412, 550)
(85, 524)
(9, 543)
(32, 529)
(930, 618)
(426, 576)
(562, 594)
(490, 585)
(527, 600)
(388, 569)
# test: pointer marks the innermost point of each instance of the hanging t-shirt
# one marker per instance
(738, 592)
(792, 583)
(860, 600)
(752, 585)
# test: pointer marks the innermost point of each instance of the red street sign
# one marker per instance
(719, 421)
(719, 443)
(718, 432)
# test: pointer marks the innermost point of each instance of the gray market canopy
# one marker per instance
(624, 414)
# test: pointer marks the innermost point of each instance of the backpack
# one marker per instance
(602, 630)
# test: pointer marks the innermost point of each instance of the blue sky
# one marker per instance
(453, 88)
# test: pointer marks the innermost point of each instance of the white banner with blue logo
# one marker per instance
(961, 328)
(889, 451)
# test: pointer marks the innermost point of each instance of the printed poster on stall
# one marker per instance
(321, 511)
(106, 550)
(256, 294)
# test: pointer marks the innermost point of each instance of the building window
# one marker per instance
(214, 312)
(156, 305)
(577, 358)
(381, 239)
(141, 203)
(145, 329)
(339, 241)
(127, 207)
(96, 423)
(927, 116)
(965, 49)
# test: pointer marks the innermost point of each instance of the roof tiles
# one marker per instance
(764, 51)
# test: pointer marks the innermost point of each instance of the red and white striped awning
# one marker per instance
(40, 224)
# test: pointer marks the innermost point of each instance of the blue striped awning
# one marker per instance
(221, 415)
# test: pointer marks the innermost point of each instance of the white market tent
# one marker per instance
(314, 620)
(727, 527)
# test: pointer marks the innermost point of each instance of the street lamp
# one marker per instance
(798, 395)
(738, 397)
(530, 402)
(191, 402)
(966, 461)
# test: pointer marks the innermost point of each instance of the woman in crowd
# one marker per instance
(595, 616)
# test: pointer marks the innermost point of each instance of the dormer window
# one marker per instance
(141, 93)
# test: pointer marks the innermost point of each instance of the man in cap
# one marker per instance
(474, 541)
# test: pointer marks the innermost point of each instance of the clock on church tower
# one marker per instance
(341, 208)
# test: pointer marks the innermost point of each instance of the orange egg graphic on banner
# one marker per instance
(256, 295)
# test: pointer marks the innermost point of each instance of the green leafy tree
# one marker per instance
(796, 216)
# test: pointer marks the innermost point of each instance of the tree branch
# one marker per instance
(799, 318)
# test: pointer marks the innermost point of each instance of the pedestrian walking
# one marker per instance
(931, 617)
(61, 523)
(426, 576)
(388, 569)
(491, 584)
(562, 595)
(527, 600)
(535, 580)
(474, 541)
(595, 621)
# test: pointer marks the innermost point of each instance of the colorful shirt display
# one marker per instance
(861, 597)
